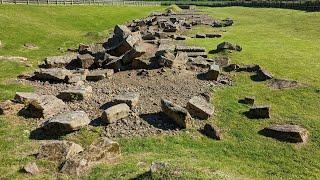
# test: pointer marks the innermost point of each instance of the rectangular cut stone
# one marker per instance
(178, 114)
(116, 113)
(199, 107)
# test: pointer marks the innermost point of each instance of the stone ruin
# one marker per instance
(141, 81)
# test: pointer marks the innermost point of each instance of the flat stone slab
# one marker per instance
(53, 74)
(76, 94)
(66, 123)
(286, 132)
(45, 106)
(178, 114)
(59, 61)
(25, 97)
(116, 113)
(199, 107)
(130, 98)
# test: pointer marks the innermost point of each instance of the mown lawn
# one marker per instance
(285, 42)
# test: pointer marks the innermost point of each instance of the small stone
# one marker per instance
(213, 35)
(85, 61)
(178, 114)
(199, 107)
(286, 132)
(228, 46)
(212, 131)
(99, 74)
(130, 98)
(248, 100)
(76, 94)
(58, 151)
(200, 35)
(213, 72)
(116, 113)
(259, 112)
(264, 75)
(31, 168)
(65, 123)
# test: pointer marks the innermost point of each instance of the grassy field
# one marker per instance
(285, 42)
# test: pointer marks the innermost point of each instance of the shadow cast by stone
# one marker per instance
(41, 134)
(98, 122)
(159, 120)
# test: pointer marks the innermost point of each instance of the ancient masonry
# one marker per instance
(141, 81)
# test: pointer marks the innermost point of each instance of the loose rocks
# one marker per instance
(177, 113)
(199, 107)
(115, 113)
(66, 123)
(286, 132)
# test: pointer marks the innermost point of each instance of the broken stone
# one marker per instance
(45, 106)
(59, 61)
(178, 114)
(213, 35)
(126, 45)
(222, 61)
(190, 48)
(212, 131)
(228, 46)
(197, 54)
(25, 97)
(200, 35)
(166, 59)
(101, 150)
(31, 168)
(213, 72)
(199, 107)
(130, 98)
(286, 132)
(99, 74)
(10, 108)
(65, 123)
(77, 76)
(116, 113)
(259, 112)
(135, 52)
(140, 63)
(58, 151)
(264, 75)
(76, 94)
(121, 30)
(248, 100)
(85, 61)
(53, 74)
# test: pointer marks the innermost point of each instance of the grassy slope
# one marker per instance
(283, 41)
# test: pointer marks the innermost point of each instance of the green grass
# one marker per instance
(285, 42)
(54, 27)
